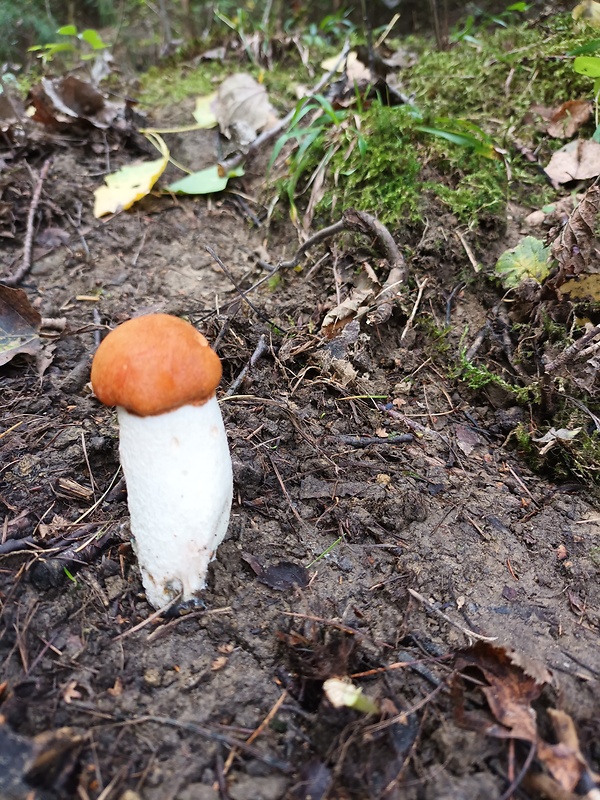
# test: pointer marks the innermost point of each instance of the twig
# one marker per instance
(156, 615)
(317, 238)
(256, 733)
(267, 136)
(240, 291)
(367, 225)
(421, 286)
(573, 350)
(17, 277)
(230, 741)
(477, 342)
(458, 288)
(519, 778)
(436, 612)
(261, 349)
(365, 441)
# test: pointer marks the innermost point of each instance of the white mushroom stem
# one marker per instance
(179, 483)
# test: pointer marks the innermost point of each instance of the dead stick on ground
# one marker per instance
(433, 610)
(573, 350)
(261, 349)
(17, 277)
(421, 286)
(256, 733)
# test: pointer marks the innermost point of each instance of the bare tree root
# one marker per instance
(367, 225)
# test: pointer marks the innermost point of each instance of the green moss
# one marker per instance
(497, 83)
(165, 85)
(405, 172)
(478, 376)
(386, 180)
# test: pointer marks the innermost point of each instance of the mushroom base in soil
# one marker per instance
(162, 375)
(179, 503)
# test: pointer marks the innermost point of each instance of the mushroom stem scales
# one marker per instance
(162, 375)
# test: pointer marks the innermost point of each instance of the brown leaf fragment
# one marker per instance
(565, 120)
(67, 100)
(563, 760)
(574, 248)
(509, 692)
(242, 108)
(19, 325)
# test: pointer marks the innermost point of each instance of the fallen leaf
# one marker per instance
(116, 690)
(509, 692)
(352, 66)
(204, 113)
(218, 663)
(564, 760)
(582, 286)
(68, 100)
(71, 692)
(19, 325)
(130, 183)
(576, 161)
(529, 259)
(567, 119)
(206, 181)
(575, 247)
(242, 108)
(588, 10)
(282, 576)
(466, 439)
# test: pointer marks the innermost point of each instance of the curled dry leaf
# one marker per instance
(19, 325)
(564, 121)
(68, 100)
(574, 248)
(510, 683)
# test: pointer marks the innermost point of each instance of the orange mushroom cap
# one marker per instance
(154, 364)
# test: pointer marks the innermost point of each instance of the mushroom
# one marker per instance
(161, 374)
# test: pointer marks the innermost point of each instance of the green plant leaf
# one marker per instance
(529, 259)
(67, 30)
(584, 49)
(587, 65)
(484, 148)
(93, 38)
(206, 181)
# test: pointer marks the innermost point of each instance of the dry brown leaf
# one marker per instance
(466, 439)
(71, 692)
(19, 325)
(218, 663)
(68, 100)
(242, 108)
(574, 249)
(565, 120)
(116, 689)
(509, 692)
(354, 306)
(576, 161)
(564, 760)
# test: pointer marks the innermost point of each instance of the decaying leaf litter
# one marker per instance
(385, 532)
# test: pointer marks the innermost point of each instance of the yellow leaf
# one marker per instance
(130, 183)
(204, 113)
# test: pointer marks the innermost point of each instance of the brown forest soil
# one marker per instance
(477, 535)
